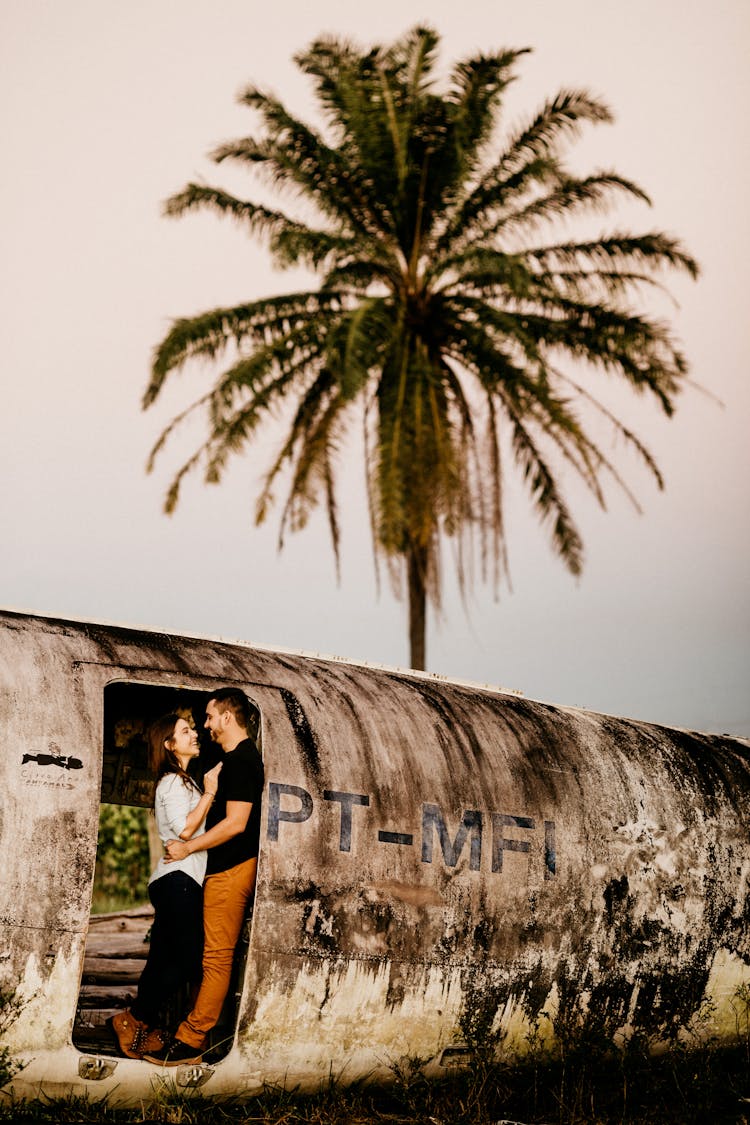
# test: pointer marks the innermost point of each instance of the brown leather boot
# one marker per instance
(152, 1039)
(129, 1032)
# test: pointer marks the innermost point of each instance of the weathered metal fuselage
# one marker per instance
(437, 860)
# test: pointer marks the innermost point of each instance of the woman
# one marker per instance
(175, 888)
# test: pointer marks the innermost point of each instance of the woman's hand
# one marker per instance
(211, 780)
(175, 849)
(197, 816)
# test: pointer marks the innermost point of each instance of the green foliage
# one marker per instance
(448, 310)
(123, 863)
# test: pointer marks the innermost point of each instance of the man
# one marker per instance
(231, 839)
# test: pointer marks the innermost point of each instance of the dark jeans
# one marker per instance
(176, 950)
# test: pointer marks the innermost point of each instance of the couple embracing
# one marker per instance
(201, 887)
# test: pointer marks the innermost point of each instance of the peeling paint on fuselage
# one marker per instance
(436, 859)
(47, 995)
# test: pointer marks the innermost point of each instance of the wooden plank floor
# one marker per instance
(116, 951)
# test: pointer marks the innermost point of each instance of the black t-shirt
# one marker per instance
(240, 779)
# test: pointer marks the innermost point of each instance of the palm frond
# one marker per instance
(466, 224)
(560, 118)
(476, 87)
(231, 429)
(654, 250)
(496, 479)
(619, 428)
(173, 492)
(307, 409)
(359, 343)
(547, 498)
(171, 427)
(533, 400)
(299, 245)
(531, 154)
(311, 443)
(296, 155)
(595, 285)
(483, 269)
(568, 196)
(641, 350)
(411, 59)
(359, 275)
(313, 471)
(208, 335)
(256, 218)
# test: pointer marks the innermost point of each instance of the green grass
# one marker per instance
(707, 1086)
(106, 902)
(578, 1079)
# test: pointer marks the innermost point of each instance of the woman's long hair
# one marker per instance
(161, 758)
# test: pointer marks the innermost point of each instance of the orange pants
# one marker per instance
(225, 898)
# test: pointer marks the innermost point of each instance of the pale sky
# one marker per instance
(109, 107)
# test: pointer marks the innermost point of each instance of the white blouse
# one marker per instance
(173, 801)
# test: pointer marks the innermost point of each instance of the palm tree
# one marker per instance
(447, 315)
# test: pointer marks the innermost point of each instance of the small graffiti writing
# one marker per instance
(471, 830)
(64, 761)
(53, 756)
(46, 782)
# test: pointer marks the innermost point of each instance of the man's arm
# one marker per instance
(238, 814)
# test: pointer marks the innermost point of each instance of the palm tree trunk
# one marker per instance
(417, 578)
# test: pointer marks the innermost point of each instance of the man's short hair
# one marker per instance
(234, 700)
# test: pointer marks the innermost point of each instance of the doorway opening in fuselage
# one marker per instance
(128, 849)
